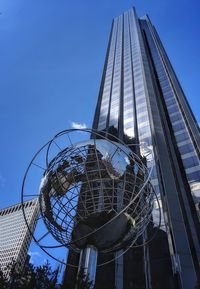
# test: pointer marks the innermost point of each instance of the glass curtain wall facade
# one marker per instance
(141, 101)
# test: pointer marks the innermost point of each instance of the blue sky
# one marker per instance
(51, 58)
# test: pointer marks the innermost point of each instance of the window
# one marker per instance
(139, 86)
(168, 95)
(175, 117)
(143, 118)
(182, 137)
(178, 126)
(141, 109)
(140, 92)
(170, 101)
(172, 109)
(141, 100)
(128, 115)
(190, 162)
(186, 148)
(195, 176)
(144, 130)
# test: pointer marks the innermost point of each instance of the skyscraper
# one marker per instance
(141, 101)
(14, 235)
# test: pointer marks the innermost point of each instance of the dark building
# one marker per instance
(141, 101)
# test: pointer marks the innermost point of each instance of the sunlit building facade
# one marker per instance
(15, 237)
(141, 101)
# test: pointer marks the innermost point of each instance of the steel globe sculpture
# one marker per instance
(90, 187)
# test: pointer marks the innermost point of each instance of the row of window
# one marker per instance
(15, 208)
(181, 133)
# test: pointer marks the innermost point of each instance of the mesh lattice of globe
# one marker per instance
(96, 192)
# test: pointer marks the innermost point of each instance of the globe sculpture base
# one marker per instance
(87, 267)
